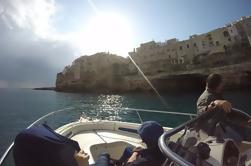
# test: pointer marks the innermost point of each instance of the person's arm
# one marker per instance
(206, 108)
(135, 161)
(223, 104)
(133, 157)
(210, 107)
(82, 158)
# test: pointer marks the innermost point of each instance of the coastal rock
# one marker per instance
(101, 72)
(109, 73)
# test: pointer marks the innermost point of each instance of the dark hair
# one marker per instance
(213, 81)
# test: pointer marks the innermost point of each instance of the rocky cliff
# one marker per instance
(109, 73)
(101, 72)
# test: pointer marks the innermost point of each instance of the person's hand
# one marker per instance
(211, 107)
(223, 104)
(133, 157)
(137, 149)
(82, 158)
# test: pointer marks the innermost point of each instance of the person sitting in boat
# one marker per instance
(212, 97)
(149, 131)
(212, 100)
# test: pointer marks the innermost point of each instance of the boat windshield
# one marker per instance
(236, 116)
(65, 116)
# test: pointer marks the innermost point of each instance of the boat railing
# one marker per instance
(138, 111)
(80, 113)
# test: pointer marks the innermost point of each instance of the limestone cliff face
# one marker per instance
(236, 76)
(108, 73)
(101, 72)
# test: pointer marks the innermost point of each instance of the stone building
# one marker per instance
(243, 27)
(154, 57)
(212, 42)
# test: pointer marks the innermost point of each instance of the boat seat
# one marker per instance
(115, 149)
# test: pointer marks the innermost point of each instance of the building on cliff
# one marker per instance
(172, 64)
(153, 57)
(101, 70)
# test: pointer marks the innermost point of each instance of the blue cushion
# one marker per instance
(42, 146)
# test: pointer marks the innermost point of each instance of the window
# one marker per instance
(180, 47)
(229, 39)
(194, 44)
(226, 34)
(211, 43)
(217, 43)
(187, 45)
(203, 43)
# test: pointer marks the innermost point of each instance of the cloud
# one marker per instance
(31, 50)
(35, 15)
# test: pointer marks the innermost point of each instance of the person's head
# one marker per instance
(150, 131)
(215, 83)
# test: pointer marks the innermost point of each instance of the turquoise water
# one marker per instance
(20, 107)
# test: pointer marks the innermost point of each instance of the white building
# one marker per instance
(173, 52)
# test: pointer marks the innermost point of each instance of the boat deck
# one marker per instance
(97, 137)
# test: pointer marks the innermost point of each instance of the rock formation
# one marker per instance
(109, 73)
(101, 72)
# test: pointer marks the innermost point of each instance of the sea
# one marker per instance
(20, 107)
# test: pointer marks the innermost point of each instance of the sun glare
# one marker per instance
(106, 32)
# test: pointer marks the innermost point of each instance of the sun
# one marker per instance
(106, 32)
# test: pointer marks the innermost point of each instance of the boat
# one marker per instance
(96, 135)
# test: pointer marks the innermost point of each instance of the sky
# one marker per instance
(39, 37)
